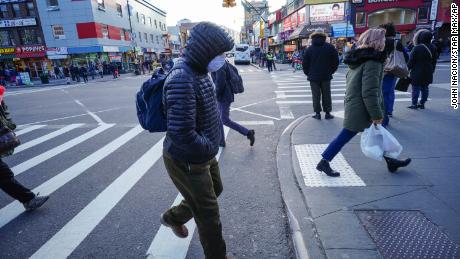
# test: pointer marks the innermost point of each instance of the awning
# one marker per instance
(342, 30)
(305, 30)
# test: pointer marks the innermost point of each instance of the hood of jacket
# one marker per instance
(422, 36)
(356, 57)
(318, 38)
(206, 42)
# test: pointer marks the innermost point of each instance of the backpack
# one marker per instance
(151, 112)
(234, 79)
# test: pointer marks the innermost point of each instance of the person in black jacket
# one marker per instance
(193, 136)
(422, 63)
(84, 73)
(389, 80)
(225, 98)
(8, 184)
(320, 61)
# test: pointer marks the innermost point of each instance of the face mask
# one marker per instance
(216, 63)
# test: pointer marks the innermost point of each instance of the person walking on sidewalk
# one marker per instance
(320, 61)
(223, 79)
(270, 61)
(363, 101)
(193, 135)
(389, 80)
(8, 184)
(66, 72)
(422, 63)
(84, 74)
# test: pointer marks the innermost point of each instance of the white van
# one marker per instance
(242, 54)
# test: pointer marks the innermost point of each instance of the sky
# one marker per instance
(207, 10)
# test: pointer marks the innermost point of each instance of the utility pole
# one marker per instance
(133, 42)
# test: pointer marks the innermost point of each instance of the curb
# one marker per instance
(303, 231)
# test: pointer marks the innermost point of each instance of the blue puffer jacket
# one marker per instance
(193, 133)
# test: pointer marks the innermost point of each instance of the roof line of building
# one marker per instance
(151, 6)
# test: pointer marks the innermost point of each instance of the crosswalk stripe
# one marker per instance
(253, 123)
(29, 129)
(165, 244)
(284, 96)
(63, 243)
(47, 137)
(14, 209)
(285, 112)
(24, 166)
(335, 101)
(307, 90)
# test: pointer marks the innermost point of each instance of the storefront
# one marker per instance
(32, 58)
(406, 15)
(58, 56)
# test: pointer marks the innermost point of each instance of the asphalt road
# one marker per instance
(108, 185)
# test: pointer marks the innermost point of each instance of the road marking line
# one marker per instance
(14, 209)
(94, 116)
(307, 90)
(165, 244)
(284, 96)
(251, 123)
(21, 92)
(285, 112)
(308, 87)
(339, 114)
(28, 129)
(63, 243)
(47, 137)
(258, 114)
(252, 104)
(24, 166)
(334, 101)
(310, 154)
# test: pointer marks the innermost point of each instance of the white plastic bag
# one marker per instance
(377, 141)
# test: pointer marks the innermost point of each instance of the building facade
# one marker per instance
(253, 12)
(22, 45)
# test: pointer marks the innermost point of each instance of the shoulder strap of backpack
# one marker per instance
(429, 51)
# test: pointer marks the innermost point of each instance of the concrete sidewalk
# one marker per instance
(369, 212)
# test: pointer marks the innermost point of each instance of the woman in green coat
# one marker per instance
(363, 99)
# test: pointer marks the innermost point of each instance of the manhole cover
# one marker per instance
(407, 234)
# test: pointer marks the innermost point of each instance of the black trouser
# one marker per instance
(200, 185)
(321, 91)
(9, 185)
(269, 65)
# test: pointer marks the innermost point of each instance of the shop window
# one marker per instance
(140, 36)
(122, 34)
(145, 37)
(30, 36)
(119, 10)
(4, 11)
(105, 31)
(158, 41)
(397, 16)
(360, 19)
(159, 24)
(16, 10)
(150, 21)
(143, 19)
(31, 9)
(137, 17)
(58, 32)
(6, 38)
(156, 26)
(423, 15)
(101, 4)
(151, 38)
(53, 5)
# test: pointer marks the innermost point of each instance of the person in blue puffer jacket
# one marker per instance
(193, 135)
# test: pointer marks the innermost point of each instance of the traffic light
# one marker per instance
(229, 3)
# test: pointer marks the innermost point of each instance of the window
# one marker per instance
(140, 36)
(16, 10)
(145, 37)
(122, 34)
(58, 32)
(30, 9)
(150, 21)
(6, 38)
(360, 19)
(156, 26)
(101, 4)
(143, 19)
(397, 16)
(4, 11)
(151, 38)
(158, 41)
(160, 25)
(137, 17)
(105, 31)
(423, 15)
(30, 36)
(119, 10)
(52, 3)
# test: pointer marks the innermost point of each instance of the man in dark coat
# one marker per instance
(193, 135)
(422, 63)
(320, 61)
(84, 73)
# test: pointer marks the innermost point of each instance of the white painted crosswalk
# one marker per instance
(294, 89)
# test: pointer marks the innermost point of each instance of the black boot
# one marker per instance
(394, 164)
(324, 167)
(421, 106)
(317, 116)
(251, 137)
(329, 116)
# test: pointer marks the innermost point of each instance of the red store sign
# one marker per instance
(31, 51)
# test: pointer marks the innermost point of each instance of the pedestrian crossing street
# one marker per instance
(293, 89)
(54, 143)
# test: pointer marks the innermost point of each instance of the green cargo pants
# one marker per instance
(200, 185)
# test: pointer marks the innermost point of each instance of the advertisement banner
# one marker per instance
(31, 51)
(302, 16)
(327, 12)
(57, 51)
(12, 1)
(18, 23)
(7, 50)
(287, 24)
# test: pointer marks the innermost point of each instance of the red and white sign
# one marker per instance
(31, 51)
(327, 12)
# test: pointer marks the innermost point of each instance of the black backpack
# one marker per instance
(234, 79)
